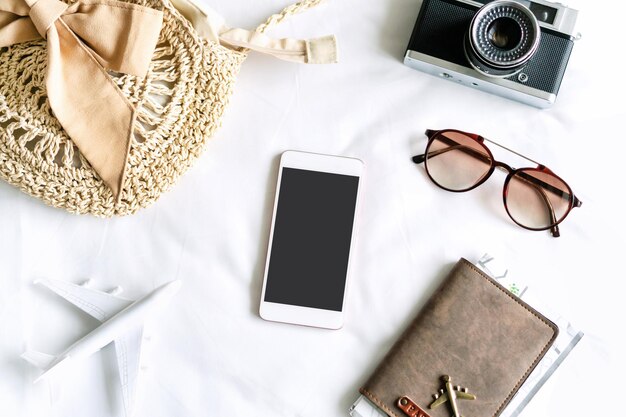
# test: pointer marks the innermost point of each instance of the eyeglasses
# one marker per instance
(534, 198)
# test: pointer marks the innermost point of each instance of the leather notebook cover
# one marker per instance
(476, 332)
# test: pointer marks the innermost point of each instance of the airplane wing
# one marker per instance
(465, 395)
(98, 304)
(128, 350)
(442, 399)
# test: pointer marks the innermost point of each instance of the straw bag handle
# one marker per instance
(290, 10)
(211, 26)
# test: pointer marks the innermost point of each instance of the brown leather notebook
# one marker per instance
(465, 354)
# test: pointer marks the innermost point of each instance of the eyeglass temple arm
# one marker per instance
(554, 230)
(418, 159)
(544, 185)
(540, 187)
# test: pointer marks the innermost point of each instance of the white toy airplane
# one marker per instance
(122, 323)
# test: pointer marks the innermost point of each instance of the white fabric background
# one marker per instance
(210, 354)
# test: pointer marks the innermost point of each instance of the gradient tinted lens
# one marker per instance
(457, 162)
(537, 199)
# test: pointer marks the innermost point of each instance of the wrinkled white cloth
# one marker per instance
(210, 354)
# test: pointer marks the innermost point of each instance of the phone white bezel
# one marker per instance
(308, 316)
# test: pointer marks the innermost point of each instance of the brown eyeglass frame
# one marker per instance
(520, 172)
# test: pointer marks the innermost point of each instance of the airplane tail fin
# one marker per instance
(39, 359)
(48, 363)
(54, 369)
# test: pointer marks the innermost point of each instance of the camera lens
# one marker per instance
(504, 33)
(503, 36)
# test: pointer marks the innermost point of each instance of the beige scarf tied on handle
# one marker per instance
(85, 40)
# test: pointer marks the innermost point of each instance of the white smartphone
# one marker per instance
(311, 239)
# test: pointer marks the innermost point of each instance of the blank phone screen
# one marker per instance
(311, 244)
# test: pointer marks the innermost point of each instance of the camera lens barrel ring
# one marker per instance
(503, 36)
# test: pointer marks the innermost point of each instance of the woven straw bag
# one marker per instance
(178, 105)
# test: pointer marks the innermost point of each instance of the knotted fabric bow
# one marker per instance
(84, 40)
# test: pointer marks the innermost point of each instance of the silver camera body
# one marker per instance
(516, 49)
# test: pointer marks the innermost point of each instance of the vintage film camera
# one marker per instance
(513, 48)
